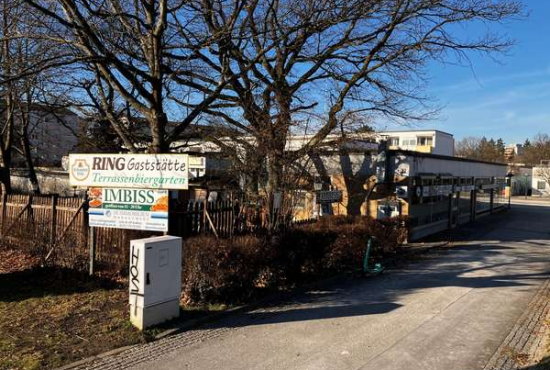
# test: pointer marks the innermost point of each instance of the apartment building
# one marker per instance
(512, 151)
(52, 134)
(424, 141)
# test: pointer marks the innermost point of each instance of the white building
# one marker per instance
(522, 179)
(424, 141)
(52, 134)
(541, 179)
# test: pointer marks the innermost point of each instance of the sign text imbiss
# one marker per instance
(150, 171)
(135, 209)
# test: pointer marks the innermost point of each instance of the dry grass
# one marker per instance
(51, 317)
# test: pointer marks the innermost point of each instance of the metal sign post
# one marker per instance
(92, 250)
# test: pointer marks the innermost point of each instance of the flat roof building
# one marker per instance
(424, 141)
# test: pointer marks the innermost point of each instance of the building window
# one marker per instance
(411, 142)
(425, 140)
(393, 141)
(541, 185)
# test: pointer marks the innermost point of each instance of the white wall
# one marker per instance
(536, 179)
(444, 144)
(418, 165)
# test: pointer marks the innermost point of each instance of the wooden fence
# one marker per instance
(56, 228)
(52, 227)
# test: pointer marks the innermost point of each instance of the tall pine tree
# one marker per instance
(500, 149)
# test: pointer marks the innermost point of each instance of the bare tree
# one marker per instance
(468, 147)
(266, 68)
(543, 173)
(319, 61)
(24, 94)
(539, 149)
(7, 65)
(141, 55)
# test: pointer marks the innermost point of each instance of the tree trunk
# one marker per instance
(274, 177)
(158, 129)
(6, 142)
(5, 181)
(5, 170)
(30, 164)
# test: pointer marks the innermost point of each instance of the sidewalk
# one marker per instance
(523, 347)
(520, 199)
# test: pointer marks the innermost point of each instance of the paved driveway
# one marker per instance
(449, 310)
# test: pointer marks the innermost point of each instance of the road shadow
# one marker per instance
(320, 313)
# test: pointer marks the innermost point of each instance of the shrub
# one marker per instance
(231, 270)
(220, 269)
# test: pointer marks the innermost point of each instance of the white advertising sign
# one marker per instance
(144, 171)
(330, 196)
(402, 191)
(134, 209)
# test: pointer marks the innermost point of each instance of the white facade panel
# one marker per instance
(423, 165)
(444, 144)
(441, 143)
(540, 185)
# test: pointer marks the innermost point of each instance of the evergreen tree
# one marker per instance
(484, 149)
(500, 149)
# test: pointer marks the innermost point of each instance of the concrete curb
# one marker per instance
(96, 357)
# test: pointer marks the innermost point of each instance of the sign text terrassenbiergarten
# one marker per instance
(153, 171)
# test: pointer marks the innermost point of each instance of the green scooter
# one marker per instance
(374, 270)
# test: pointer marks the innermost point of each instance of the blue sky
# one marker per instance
(508, 98)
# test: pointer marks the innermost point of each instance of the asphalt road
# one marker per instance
(449, 310)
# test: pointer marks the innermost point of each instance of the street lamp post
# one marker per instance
(509, 184)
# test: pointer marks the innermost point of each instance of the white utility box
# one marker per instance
(155, 280)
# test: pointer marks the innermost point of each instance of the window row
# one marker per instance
(420, 140)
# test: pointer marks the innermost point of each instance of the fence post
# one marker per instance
(231, 216)
(203, 217)
(53, 225)
(491, 199)
(474, 204)
(3, 215)
(92, 250)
